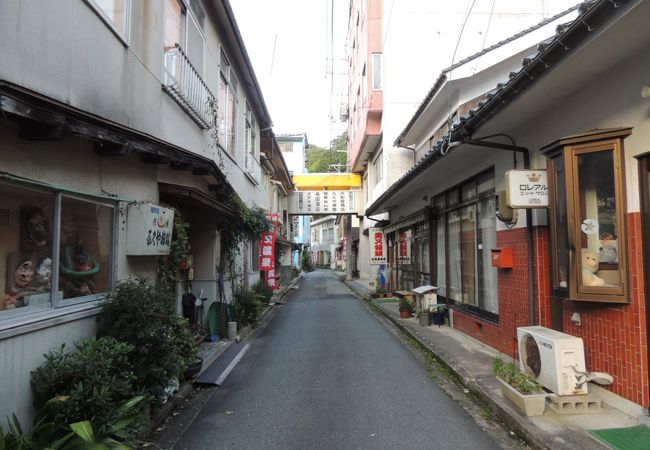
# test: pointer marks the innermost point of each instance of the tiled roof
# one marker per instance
(592, 14)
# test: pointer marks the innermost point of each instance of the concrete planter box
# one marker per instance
(529, 405)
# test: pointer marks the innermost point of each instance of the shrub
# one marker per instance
(264, 291)
(94, 379)
(405, 305)
(144, 316)
(509, 373)
(49, 432)
(246, 306)
(307, 265)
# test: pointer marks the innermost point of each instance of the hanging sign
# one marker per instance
(149, 229)
(377, 246)
(324, 202)
(527, 189)
(404, 247)
(267, 250)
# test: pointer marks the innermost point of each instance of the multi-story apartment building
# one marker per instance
(396, 51)
(109, 111)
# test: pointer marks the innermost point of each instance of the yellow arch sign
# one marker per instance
(327, 181)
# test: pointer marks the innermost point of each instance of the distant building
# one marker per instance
(294, 150)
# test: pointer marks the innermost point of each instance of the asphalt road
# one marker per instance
(327, 374)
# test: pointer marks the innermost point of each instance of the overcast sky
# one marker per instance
(289, 43)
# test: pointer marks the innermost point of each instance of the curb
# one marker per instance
(469, 382)
(249, 330)
(186, 390)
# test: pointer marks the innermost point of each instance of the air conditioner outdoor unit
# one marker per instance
(554, 359)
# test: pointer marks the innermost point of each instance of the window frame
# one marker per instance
(231, 84)
(378, 167)
(99, 11)
(443, 204)
(569, 150)
(377, 59)
(12, 323)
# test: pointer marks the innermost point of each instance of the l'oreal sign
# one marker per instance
(527, 188)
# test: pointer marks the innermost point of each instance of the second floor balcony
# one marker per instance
(184, 84)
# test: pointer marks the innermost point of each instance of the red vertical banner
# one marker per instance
(267, 250)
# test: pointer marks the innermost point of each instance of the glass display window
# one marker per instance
(85, 247)
(588, 236)
(25, 247)
(35, 222)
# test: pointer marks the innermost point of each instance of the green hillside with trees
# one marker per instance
(319, 159)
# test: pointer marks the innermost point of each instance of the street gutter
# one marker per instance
(516, 424)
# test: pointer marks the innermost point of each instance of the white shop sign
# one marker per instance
(324, 202)
(527, 188)
(149, 229)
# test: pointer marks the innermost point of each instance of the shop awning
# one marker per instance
(406, 222)
(279, 240)
(192, 197)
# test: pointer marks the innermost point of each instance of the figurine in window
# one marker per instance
(21, 274)
(589, 268)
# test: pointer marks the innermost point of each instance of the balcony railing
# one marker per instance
(253, 167)
(184, 84)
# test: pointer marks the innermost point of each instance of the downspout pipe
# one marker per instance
(481, 142)
(408, 148)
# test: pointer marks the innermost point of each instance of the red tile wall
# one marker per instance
(615, 336)
(513, 299)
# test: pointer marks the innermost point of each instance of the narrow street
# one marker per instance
(325, 373)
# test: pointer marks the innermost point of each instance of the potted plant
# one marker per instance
(520, 388)
(380, 292)
(405, 308)
(438, 313)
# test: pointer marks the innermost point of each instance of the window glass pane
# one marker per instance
(376, 70)
(454, 255)
(440, 254)
(221, 115)
(599, 231)
(561, 244)
(232, 116)
(423, 261)
(468, 254)
(469, 191)
(485, 182)
(198, 13)
(115, 11)
(25, 247)
(195, 44)
(439, 202)
(174, 24)
(86, 239)
(452, 197)
(488, 278)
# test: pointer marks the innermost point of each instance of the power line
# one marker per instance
(487, 30)
(462, 28)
